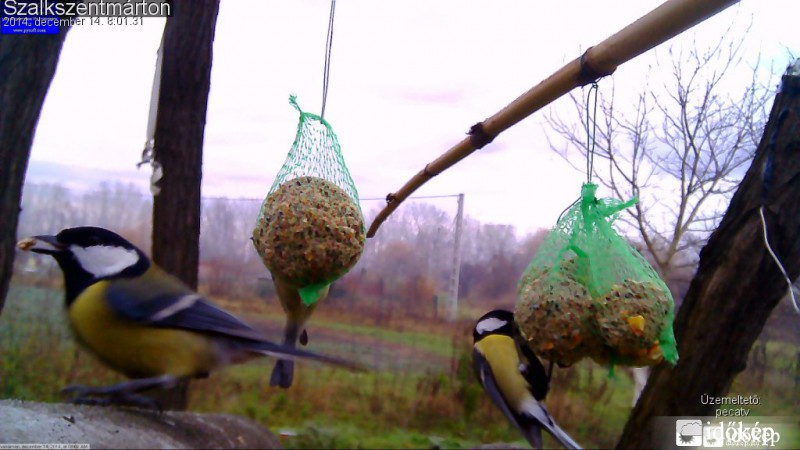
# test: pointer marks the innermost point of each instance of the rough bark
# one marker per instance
(180, 126)
(27, 66)
(737, 283)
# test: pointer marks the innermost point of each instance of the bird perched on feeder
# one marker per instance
(297, 314)
(143, 322)
(514, 377)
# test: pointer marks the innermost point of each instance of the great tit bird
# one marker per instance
(514, 377)
(297, 314)
(143, 322)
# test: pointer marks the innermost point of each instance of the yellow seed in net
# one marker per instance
(637, 324)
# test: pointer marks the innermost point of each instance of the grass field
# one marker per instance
(421, 392)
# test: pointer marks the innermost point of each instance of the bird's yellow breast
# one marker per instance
(501, 354)
(135, 349)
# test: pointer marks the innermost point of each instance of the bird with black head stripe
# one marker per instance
(514, 378)
(143, 322)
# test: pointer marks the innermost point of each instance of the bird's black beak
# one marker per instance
(47, 245)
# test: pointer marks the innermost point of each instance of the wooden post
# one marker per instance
(178, 148)
(452, 302)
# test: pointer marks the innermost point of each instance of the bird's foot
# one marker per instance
(125, 393)
(304, 338)
(103, 396)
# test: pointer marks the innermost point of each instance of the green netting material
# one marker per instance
(315, 154)
(592, 281)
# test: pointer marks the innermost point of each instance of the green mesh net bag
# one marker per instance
(310, 229)
(588, 293)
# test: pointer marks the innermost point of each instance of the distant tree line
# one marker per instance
(406, 269)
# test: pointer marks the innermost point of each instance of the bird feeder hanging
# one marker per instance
(310, 229)
(588, 293)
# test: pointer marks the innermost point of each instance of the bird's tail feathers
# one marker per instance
(283, 352)
(537, 418)
(562, 437)
(283, 373)
(533, 434)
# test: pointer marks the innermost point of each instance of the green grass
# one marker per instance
(330, 408)
(434, 343)
(38, 355)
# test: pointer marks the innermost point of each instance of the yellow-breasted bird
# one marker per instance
(143, 322)
(514, 377)
(297, 314)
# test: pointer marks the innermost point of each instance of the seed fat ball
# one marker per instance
(309, 231)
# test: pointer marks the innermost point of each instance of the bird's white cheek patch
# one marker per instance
(102, 261)
(490, 324)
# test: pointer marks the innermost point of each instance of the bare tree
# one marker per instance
(685, 144)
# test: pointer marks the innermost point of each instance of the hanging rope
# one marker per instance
(327, 69)
(148, 154)
(591, 133)
(591, 130)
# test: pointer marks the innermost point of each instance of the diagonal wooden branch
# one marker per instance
(666, 21)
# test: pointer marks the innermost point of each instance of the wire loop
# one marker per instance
(591, 130)
(327, 69)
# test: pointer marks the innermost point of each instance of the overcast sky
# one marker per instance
(407, 81)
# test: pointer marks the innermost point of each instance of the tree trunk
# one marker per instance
(182, 104)
(736, 286)
(27, 66)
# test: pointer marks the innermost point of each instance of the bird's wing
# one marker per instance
(534, 372)
(535, 415)
(484, 371)
(160, 300)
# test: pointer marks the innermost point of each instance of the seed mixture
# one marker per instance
(556, 316)
(561, 322)
(309, 231)
(630, 318)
